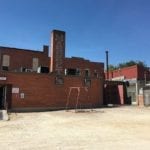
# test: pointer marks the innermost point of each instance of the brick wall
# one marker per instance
(128, 72)
(41, 91)
(76, 62)
(24, 58)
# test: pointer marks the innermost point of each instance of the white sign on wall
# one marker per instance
(3, 78)
(15, 90)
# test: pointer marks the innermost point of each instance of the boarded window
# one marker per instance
(35, 64)
(87, 82)
(6, 61)
(95, 74)
(87, 72)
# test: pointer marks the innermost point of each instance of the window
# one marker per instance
(5, 68)
(87, 82)
(72, 71)
(43, 69)
(5, 62)
(35, 64)
(95, 74)
(87, 72)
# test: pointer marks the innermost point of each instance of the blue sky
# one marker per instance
(91, 26)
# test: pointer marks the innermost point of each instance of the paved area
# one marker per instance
(120, 128)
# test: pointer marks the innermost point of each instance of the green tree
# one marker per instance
(127, 64)
(131, 63)
(112, 67)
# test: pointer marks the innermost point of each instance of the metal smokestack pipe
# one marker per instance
(107, 67)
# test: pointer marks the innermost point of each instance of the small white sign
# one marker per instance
(3, 78)
(22, 95)
(15, 90)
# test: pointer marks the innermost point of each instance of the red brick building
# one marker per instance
(132, 72)
(137, 77)
(25, 86)
(21, 60)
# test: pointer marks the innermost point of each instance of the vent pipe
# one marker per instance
(107, 67)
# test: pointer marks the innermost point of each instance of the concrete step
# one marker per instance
(4, 115)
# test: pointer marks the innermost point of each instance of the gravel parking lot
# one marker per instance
(119, 128)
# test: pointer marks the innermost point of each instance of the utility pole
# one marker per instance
(107, 67)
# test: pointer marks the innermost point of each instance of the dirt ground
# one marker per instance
(120, 128)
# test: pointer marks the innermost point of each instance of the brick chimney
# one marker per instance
(45, 49)
(57, 52)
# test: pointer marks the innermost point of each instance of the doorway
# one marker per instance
(2, 97)
(5, 96)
